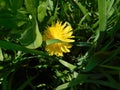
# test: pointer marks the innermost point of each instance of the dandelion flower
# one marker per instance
(62, 32)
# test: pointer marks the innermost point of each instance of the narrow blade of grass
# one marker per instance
(102, 14)
(68, 65)
(26, 83)
(83, 9)
(12, 46)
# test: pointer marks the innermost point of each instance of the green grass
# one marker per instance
(94, 60)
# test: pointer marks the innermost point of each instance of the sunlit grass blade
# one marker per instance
(110, 9)
(53, 41)
(102, 15)
(102, 11)
(63, 86)
(68, 65)
(1, 55)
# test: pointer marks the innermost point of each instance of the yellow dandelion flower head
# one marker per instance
(62, 32)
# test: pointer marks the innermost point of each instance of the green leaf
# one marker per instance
(68, 65)
(32, 38)
(31, 6)
(50, 2)
(42, 10)
(28, 36)
(38, 40)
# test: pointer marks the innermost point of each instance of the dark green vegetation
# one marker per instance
(94, 60)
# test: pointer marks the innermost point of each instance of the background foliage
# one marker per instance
(94, 60)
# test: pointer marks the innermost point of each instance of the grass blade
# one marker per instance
(102, 14)
(12, 46)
